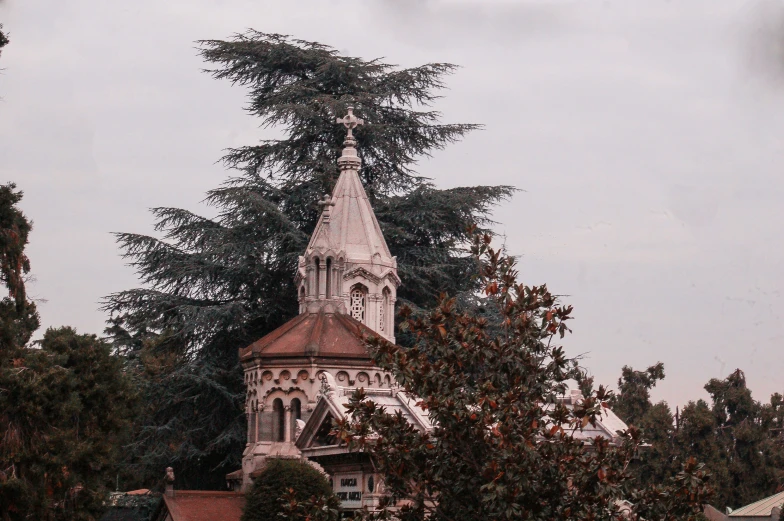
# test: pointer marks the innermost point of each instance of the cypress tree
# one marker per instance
(213, 285)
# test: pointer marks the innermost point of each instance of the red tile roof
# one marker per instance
(326, 335)
(202, 505)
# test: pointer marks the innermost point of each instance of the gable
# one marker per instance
(315, 433)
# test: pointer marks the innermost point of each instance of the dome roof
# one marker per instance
(319, 335)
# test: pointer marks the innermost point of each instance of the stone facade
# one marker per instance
(299, 377)
(347, 282)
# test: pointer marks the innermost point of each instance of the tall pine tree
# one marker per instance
(211, 286)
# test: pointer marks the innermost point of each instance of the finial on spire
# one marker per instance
(325, 203)
(350, 121)
(349, 159)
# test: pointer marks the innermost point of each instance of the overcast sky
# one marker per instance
(647, 135)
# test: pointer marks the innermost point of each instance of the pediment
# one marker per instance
(315, 433)
(362, 272)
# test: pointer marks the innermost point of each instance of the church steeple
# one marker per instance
(347, 267)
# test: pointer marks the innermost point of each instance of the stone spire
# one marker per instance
(347, 267)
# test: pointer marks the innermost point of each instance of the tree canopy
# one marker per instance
(286, 481)
(213, 285)
(503, 445)
(740, 440)
(65, 404)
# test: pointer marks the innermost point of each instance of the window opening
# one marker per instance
(279, 422)
(358, 304)
(318, 274)
(329, 278)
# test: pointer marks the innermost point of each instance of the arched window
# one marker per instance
(358, 303)
(384, 311)
(316, 287)
(329, 278)
(251, 427)
(296, 414)
(278, 421)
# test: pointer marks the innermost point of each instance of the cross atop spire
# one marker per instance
(350, 121)
(349, 160)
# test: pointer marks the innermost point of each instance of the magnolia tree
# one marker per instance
(503, 445)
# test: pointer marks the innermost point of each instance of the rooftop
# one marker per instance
(325, 335)
(761, 508)
(199, 505)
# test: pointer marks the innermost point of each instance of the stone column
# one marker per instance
(287, 422)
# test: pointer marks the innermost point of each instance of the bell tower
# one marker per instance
(347, 267)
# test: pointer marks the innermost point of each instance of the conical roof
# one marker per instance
(350, 227)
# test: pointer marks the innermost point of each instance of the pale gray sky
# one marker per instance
(648, 136)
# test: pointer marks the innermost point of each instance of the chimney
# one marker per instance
(169, 482)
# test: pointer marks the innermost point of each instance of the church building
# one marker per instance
(300, 377)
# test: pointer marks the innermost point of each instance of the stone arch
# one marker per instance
(283, 376)
(302, 376)
(343, 378)
(266, 375)
(387, 381)
(363, 378)
(283, 394)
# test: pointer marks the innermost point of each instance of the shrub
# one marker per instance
(286, 480)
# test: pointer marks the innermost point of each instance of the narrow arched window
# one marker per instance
(384, 311)
(329, 278)
(296, 414)
(316, 276)
(278, 421)
(358, 303)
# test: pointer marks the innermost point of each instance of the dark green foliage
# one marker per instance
(502, 446)
(3, 39)
(740, 440)
(18, 316)
(65, 408)
(283, 483)
(64, 405)
(633, 399)
(211, 286)
(745, 451)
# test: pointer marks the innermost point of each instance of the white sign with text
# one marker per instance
(348, 488)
